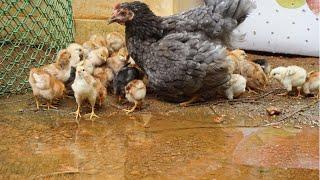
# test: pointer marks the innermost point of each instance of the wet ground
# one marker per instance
(214, 140)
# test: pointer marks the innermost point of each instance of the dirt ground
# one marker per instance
(213, 140)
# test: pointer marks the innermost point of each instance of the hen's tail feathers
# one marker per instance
(233, 13)
(236, 9)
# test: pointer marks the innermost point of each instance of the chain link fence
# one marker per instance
(31, 33)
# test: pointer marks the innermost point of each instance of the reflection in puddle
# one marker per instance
(160, 146)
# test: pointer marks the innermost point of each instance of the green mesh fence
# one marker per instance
(31, 33)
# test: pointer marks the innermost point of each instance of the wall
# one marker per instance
(91, 16)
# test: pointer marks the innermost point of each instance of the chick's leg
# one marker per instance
(299, 93)
(77, 113)
(49, 105)
(92, 113)
(132, 109)
(251, 91)
(37, 102)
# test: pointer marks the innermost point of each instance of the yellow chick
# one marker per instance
(61, 68)
(45, 86)
(135, 93)
(291, 76)
(312, 84)
(77, 53)
(115, 41)
(237, 86)
(85, 87)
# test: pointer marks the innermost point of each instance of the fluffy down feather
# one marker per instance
(45, 86)
(237, 86)
(312, 84)
(61, 68)
(291, 76)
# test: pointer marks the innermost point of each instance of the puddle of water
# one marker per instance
(170, 144)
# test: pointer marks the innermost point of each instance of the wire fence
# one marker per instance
(31, 33)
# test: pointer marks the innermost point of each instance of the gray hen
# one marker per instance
(183, 55)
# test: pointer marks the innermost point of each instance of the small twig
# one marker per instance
(243, 100)
(58, 173)
(291, 114)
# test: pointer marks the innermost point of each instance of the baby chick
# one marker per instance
(237, 86)
(61, 68)
(312, 84)
(124, 76)
(77, 53)
(240, 54)
(256, 78)
(291, 76)
(104, 74)
(46, 86)
(115, 42)
(98, 56)
(118, 61)
(264, 65)
(135, 92)
(85, 87)
(95, 42)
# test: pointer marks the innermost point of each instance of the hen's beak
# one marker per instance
(114, 17)
(112, 20)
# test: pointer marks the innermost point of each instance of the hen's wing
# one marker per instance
(181, 64)
(217, 19)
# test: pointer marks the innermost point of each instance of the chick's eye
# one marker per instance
(123, 13)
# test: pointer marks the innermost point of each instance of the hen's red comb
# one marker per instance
(117, 6)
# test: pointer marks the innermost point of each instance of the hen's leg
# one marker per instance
(192, 100)
(132, 109)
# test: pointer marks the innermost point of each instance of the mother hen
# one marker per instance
(184, 54)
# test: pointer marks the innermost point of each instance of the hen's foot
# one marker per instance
(192, 100)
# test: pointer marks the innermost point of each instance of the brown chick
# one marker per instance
(312, 84)
(115, 41)
(61, 68)
(45, 86)
(95, 42)
(86, 87)
(98, 56)
(118, 60)
(256, 78)
(135, 93)
(104, 74)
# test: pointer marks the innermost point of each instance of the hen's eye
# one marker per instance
(123, 13)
